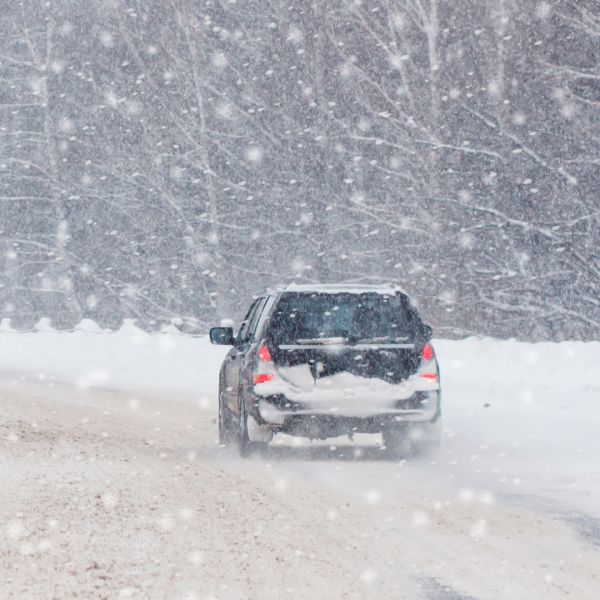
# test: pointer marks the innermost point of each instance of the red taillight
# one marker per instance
(428, 368)
(265, 369)
(264, 354)
(427, 353)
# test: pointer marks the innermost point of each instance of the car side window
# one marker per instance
(254, 319)
(243, 331)
(263, 317)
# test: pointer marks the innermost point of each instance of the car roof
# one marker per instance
(340, 288)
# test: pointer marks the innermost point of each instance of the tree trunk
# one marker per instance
(61, 228)
(219, 300)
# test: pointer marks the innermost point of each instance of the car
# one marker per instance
(321, 361)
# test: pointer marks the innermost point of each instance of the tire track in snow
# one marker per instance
(434, 590)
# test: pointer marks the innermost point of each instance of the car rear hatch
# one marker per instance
(315, 338)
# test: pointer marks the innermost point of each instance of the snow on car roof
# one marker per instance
(343, 288)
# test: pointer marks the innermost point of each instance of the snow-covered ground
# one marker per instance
(112, 484)
(128, 359)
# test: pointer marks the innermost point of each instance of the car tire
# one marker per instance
(397, 441)
(226, 422)
(426, 438)
(251, 436)
(245, 446)
(413, 440)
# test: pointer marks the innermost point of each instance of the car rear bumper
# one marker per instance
(279, 411)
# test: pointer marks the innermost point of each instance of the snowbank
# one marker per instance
(545, 364)
(129, 358)
(132, 358)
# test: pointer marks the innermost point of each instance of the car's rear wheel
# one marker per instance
(251, 435)
(244, 443)
(413, 440)
(426, 438)
(397, 441)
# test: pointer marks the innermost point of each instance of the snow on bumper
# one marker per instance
(348, 395)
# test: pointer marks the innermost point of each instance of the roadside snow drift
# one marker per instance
(127, 359)
(132, 359)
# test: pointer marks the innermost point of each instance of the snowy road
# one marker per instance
(120, 495)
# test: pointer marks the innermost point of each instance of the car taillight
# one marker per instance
(427, 353)
(264, 354)
(265, 368)
(428, 368)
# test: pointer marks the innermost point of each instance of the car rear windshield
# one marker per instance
(301, 318)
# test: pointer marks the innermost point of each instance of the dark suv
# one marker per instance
(327, 360)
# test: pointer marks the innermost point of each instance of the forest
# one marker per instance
(167, 160)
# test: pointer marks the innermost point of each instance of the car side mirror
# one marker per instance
(427, 332)
(222, 336)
